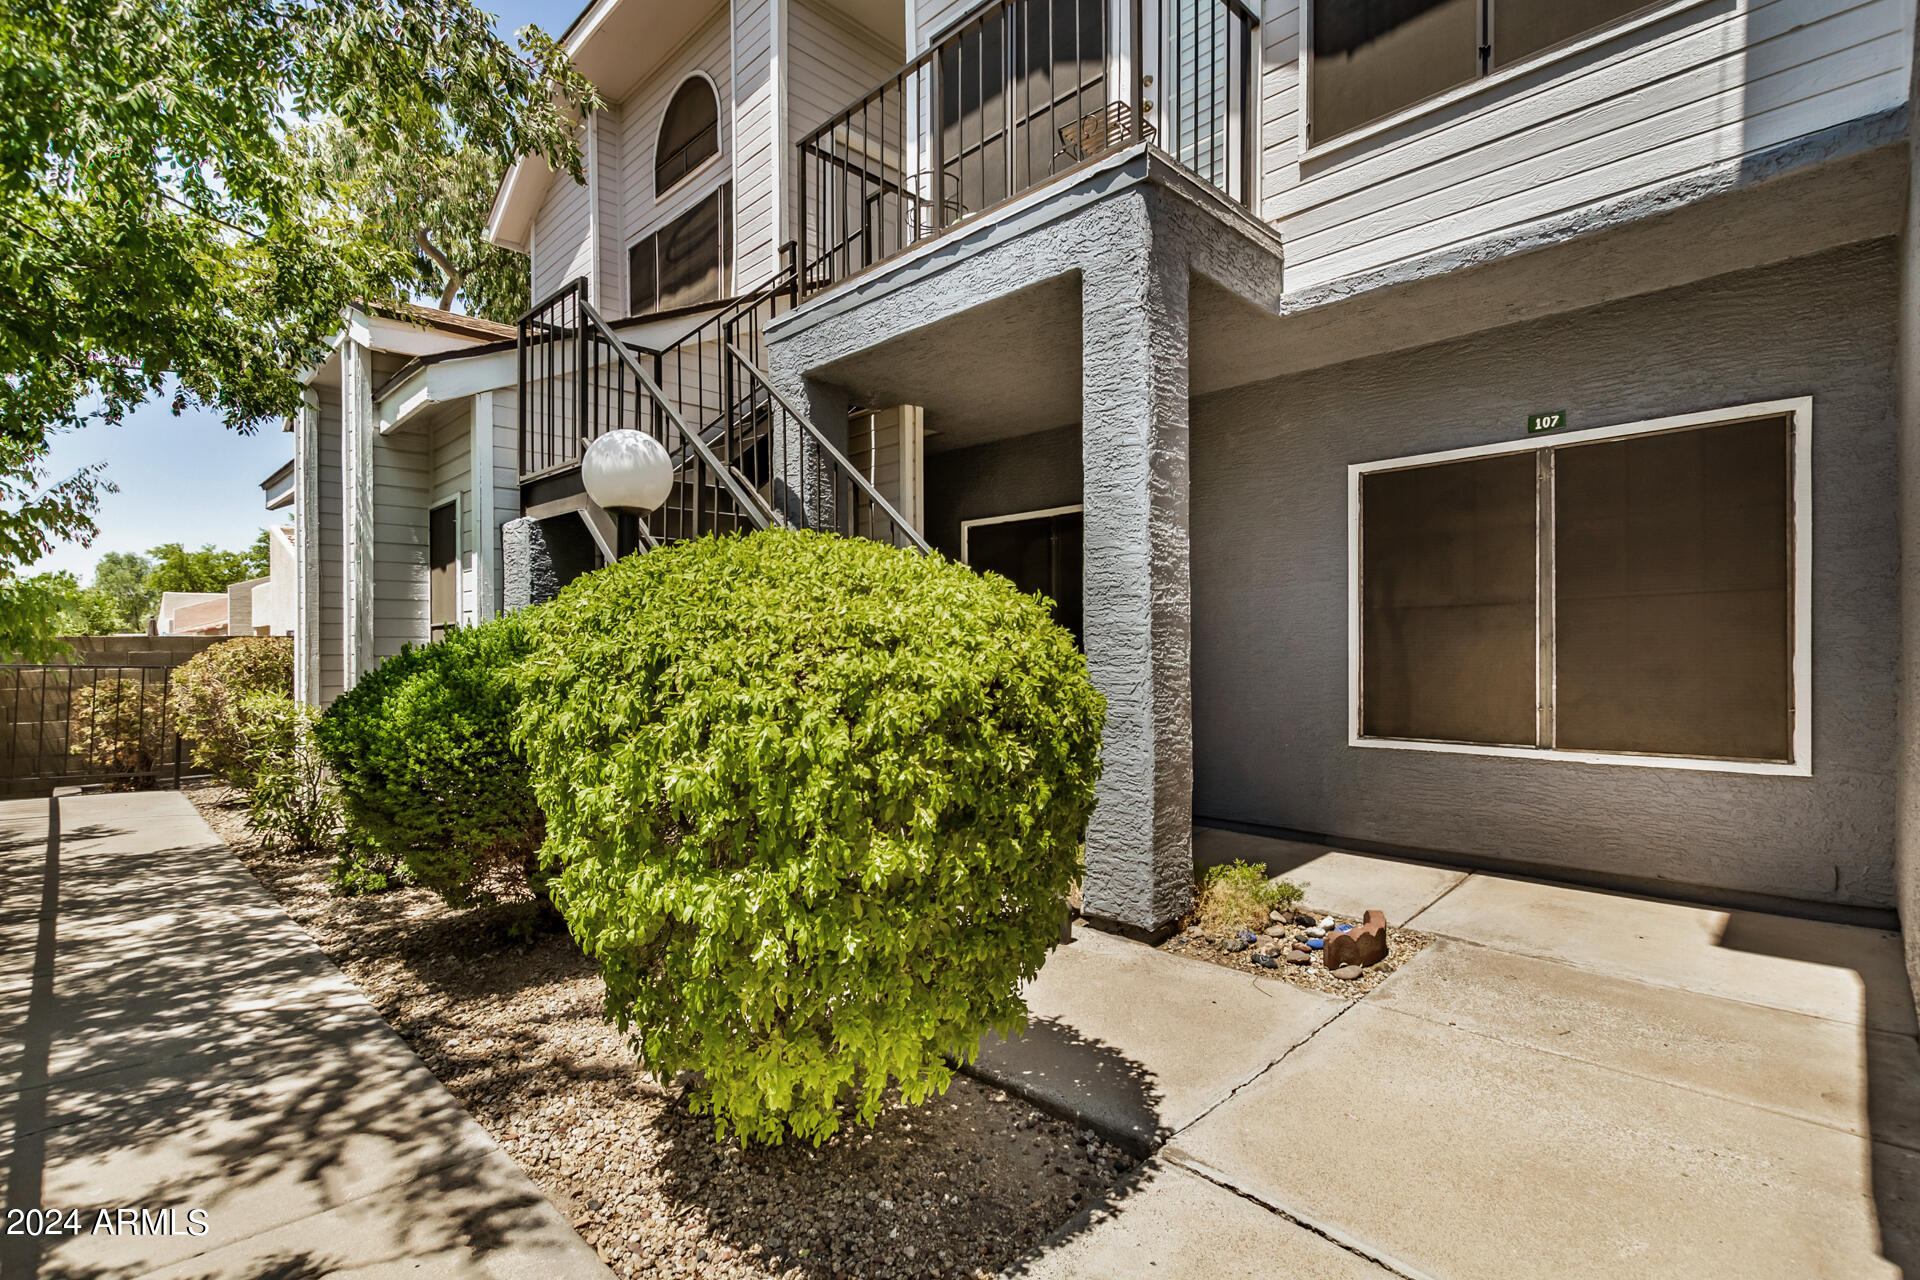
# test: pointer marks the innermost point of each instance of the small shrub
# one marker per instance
(293, 802)
(817, 804)
(429, 781)
(1238, 895)
(117, 725)
(209, 691)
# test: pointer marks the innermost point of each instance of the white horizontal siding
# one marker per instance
(831, 64)
(562, 236)
(642, 213)
(401, 470)
(328, 527)
(757, 159)
(1696, 91)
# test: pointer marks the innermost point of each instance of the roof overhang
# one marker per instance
(278, 487)
(426, 385)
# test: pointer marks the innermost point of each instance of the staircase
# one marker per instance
(745, 457)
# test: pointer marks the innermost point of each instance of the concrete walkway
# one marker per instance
(172, 1044)
(1567, 1083)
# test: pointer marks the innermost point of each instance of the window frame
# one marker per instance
(1799, 410)
(719, 137)
(1310, 149)
(723, 192)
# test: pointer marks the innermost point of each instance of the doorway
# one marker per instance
(1036, 551)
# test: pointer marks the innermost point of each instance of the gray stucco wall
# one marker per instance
(1028, 473)
(1269, 528)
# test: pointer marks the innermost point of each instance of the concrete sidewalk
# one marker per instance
(1567, 1083)
(172, 1043)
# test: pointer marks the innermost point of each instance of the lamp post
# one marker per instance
(628, 473)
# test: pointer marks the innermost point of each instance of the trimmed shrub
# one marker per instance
(293, 802)
(428, 778)
(117, 725)
(816, 805)
(209, 690)
(1238, 895)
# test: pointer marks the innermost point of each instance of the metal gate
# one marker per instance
(87, 725)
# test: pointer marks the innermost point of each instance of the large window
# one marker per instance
(1632, 591)
(683, 263)
(1371, 58)
(689, 132)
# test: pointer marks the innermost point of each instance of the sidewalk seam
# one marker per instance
(1189, 1165)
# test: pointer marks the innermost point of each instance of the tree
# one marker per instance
(177, 569)
(433, 208)
(120, 582)
(162, 224)
(33, 607)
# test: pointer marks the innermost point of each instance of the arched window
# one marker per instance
(689, 133)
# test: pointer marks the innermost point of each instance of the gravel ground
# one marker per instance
(1193, 940)
(957, 1188)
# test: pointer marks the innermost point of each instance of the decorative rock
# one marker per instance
(1304, 918)
(1276, 931)
(1299, 957)
(1326, 922)
(1316, 932)
(1277, 917)
(1348, 972)
(1316, 943)
(1345, 928)
(1237, 943)
(1266, 962)
(1363, 946)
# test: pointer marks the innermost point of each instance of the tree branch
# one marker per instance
(454, 278)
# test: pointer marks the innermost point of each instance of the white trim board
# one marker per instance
(966, 526)
(1800, 411)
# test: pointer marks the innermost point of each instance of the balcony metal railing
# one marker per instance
(1020, 93)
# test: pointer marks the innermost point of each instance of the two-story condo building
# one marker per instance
(1468, 427)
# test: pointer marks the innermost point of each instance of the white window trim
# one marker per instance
(1310, 150)
(967, 526)
(1800, 766)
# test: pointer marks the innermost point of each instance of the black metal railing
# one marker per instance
(752, 460)
(85, 725)
(579, 381)
(1021, 92)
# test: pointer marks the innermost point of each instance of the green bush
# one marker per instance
(816, 804)
(293, 802)
(209, 691)
(428, 779)
(117, 725)
(1238, 895)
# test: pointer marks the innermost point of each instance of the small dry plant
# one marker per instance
(1238, 895)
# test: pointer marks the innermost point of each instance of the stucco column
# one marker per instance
(1134, 450)
(529, 571)
(805, 493)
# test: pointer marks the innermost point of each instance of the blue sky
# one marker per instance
(189, 479)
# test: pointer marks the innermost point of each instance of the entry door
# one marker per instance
(443, 569)
(1039, 552)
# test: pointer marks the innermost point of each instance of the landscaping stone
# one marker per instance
(1348, 972)
(1326, 922)
(1305, 918)
(1363, 946)
(1276, 931)
(1299, 957)
(513, 1027)
(1315, 931)
(1237, 943)
(1266, 961)
(1316, 943)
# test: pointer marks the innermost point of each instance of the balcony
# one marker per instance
(1021, 95)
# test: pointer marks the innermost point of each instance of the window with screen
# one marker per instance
(685, 262)
(689, 133)
(1372, 58)
(1629, 594)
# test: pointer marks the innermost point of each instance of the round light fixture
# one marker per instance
(627, 470)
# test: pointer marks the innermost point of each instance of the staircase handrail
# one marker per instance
(840, 460)
(749, 501)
